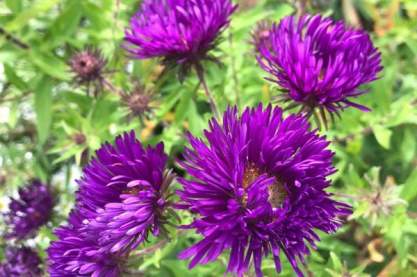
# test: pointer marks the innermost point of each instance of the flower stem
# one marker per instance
(234, 71)
(13, 39)
(153, 248)
(301, 7)
(110, 87)
(200, 74)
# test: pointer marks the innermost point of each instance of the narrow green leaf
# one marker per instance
(97, 16)
(40, 172)
(408, 146)
(168, 103)
(49, 65)
(337, 264)
(195, 120)
(352, 178)
(38, 8)
(13, 78)
(183, 106)
(43, 108)
(65, 25)
(66, 154)
(384, 88)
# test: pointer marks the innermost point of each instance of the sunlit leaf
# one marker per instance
(382, 135)
(43, 108)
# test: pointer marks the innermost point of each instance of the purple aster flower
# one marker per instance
(258, 187)
(21, 261)
(124, 193)
(182, 32)
(74, 255)
(123, 197)
(319, 63)
(30, 211)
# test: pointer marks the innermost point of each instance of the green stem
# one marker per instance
(200, 74)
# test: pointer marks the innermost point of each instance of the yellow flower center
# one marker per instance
(277, 192)
(132, 191)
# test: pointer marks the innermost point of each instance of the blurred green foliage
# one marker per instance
(42, 111)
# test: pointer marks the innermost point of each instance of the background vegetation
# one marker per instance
(43, 111)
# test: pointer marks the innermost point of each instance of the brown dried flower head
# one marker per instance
(139, 100)
(3, 179)
(382, 199)
(87, 66)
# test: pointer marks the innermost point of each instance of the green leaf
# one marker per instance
(409, 191)
(383, 87)
(43, 108)
(408, 146)
(65, 25)
(393, 228)
(195, 120)
(382, 135)
(94, 142)
(14, 115)
(49, 65)
(402, 111)
(169, 103)
(14, 5)
(360, 209)
(354, 146)
(39, 7)
(45, 236)
(183, 106)
(13, 78)
(329, 243)
(95, 14)
(39, 168)
(337, 264)
(352, 178)
(67, 129)
(68, 153)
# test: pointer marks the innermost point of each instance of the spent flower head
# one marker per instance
(380, 200)
(139, 101)
(88, 69)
